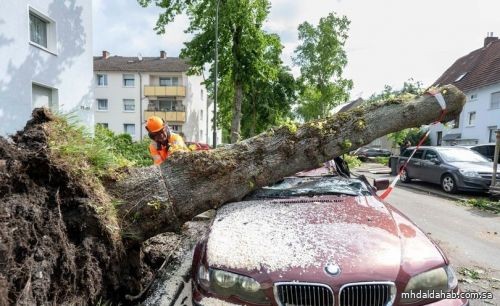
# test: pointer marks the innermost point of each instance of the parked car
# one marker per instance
(454, 168)
(317, 241)
(487, 150)
(367, 153)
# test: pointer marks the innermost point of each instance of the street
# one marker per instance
(469, 237)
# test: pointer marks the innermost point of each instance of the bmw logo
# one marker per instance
(332, 269)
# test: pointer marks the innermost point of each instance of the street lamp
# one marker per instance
(216, 72)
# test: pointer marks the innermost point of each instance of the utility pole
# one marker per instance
(216, 72)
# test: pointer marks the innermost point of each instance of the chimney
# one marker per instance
(105, 54)
(489, 39)
(163, 54)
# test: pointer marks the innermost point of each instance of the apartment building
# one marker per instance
(45, 60)
(477, 75)
(130, 89)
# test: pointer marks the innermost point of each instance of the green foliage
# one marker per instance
(105, 154)
(382, 160)
(481, 203)
(322, 59)
(352, 161)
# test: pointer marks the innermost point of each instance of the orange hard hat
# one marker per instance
(154, 124)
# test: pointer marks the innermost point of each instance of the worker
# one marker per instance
(164, 141)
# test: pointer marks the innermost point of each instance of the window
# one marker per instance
(169, 81)
(456, 122)
(492, 134)
(460, 77)
(418, 154)
(38, 30)
(202, 94)
(44, 96)
(472, 118)
(102, 104)
(429, 155)
(129, 128)
(103, 125)
(175, 128)
(102, 80)
(495, 100)
(201, 115)
(128, 80)
(167, 105)
(129, 105)
(439, 138)
(473, 97)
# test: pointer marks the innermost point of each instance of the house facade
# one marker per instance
(477, 74)
(46, 60)
(130, 89)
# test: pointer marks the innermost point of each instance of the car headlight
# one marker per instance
(422, 285)
(226, 284)
(469, 173)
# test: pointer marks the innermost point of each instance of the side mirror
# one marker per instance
(381, 183)
(435, 161)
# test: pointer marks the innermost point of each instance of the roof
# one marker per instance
(147, 64)
(477, 69)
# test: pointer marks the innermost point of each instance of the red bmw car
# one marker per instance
(319, 240)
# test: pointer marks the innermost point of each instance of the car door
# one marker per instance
(430, 167)
(414, 165)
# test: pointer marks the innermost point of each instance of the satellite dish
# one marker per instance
(139, 56)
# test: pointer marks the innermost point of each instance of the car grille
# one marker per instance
(367, 294)
(488, 175)
(303, 294)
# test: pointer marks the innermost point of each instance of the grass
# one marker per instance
(484, 204)
(352, 161)
(382, 160)
(473, 274)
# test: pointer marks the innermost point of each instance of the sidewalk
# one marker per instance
(374, 170)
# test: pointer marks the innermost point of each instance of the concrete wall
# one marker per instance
(65, 66)
(486, 118)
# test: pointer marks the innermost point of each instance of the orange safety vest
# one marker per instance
(175, 142)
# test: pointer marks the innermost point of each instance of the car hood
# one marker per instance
(474, 166)
(294, 239)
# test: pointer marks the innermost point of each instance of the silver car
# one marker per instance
(454, 168)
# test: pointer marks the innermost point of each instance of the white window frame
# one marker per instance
(201, 115)
(471, 118)
(125, 128)
(125, 75)
(497, 102)
(105, 79)
(125, 105)
(492, 136)
(473, 97)
(103, 109)
(50, 31)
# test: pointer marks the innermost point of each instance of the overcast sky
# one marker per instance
(389, 41)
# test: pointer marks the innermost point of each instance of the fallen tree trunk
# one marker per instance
(159, 199)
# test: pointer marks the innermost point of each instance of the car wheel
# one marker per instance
(404, 176)
(448, 184)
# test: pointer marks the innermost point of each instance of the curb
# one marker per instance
(432, 192)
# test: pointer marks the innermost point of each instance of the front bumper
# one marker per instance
(473, 183)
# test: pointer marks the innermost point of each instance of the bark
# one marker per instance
(159, 199)
(236, 121)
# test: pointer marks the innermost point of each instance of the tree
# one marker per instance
(62, 245)
(198, 181)
(242, 43)
(322, 59)
(411, 89)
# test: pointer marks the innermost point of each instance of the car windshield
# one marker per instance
(311, 186)
(461, 155)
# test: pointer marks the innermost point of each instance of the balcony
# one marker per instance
(168, 116)
(164, 91)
